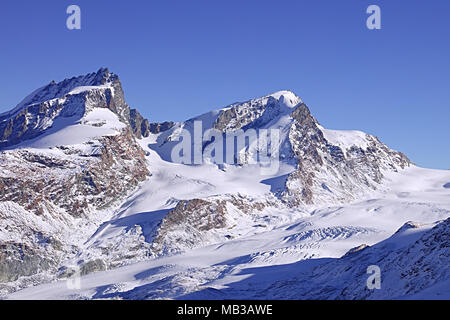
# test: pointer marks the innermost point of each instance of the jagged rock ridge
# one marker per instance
(64, 184)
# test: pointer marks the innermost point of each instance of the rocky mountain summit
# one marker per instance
(71, 98)
(60, 182)
(344, 171)
(325, 167)
(86, 181)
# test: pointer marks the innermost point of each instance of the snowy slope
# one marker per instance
(96, 80)
(86, 184)
(278, 263)
(69, 157)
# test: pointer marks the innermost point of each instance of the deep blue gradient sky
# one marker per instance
(178, 59)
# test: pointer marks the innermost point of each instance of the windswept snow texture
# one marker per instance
(279, 253)
(302, 259)
(87, 186)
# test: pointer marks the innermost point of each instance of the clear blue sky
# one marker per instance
(177, 59)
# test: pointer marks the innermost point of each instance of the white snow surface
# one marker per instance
(71, 86)
(258, 256)
(253, 253)
(345, 138)
(71, 131)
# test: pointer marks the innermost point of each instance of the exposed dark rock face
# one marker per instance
(40, 110)
(92, 266)
(237, 117)
(47, 190)
(32, 121)
(195, 216)
(253, 113)
(18, 260)
(139, 124)
(51, 189)
(326, 172)
(156, 128)
(142, 127)
(195, 222)
(41, 183)
(355, 170)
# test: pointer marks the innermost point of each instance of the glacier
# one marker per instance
(88, 185)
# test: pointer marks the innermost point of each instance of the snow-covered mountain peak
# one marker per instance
(287, 97)
(66, 103)
(78, 189)
(102, 79)
(256, 111)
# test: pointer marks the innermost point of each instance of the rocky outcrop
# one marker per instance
(42, 182)
(46, 192)
(142, 127)
(254, 112)
(19, 260)
(187, 223)
(72, 98)
(327, 173)
(156, 127)
(196, 222)
(56, 188)
(407, 268)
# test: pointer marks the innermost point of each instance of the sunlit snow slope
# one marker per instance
(280, 260)
(88, 185)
